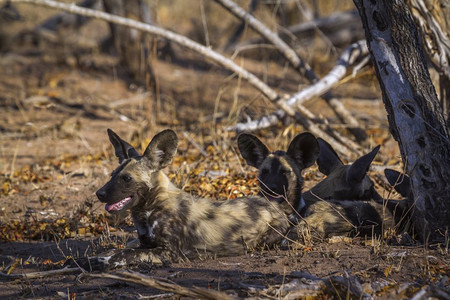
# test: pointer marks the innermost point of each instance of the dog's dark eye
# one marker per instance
(126, 177)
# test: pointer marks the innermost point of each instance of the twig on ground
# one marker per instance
(194, 143)
(139, 98)
(308, 285)
(164, 285)
(206, 52)
(33, 275)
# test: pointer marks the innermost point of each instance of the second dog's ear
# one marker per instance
(328, 159)
(161, 149)
(122, 149)
(304, 149)
(252, 149)
(359, 168)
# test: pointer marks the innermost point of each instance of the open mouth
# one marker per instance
(118, 205)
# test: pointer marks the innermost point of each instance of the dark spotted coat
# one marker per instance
(173, 224)
(280, 172)
(329, 208)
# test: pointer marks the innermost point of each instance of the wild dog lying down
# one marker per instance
(173, 224)
(366, 218)
(279, 176)
(343, 182)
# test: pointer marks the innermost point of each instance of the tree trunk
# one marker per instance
(416, 119)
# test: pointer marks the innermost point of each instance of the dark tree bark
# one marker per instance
(415, 116)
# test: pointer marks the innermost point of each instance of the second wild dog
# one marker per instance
(366, 218)
(280, 179)
(173, 224)
(279, 172)
(343, 182)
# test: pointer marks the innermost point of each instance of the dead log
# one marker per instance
(416, 119)
(164, 285)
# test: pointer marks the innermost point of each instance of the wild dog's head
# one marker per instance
(279, 174)
(136, 174)
(343, 182)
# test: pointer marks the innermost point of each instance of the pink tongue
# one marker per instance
(118, 205)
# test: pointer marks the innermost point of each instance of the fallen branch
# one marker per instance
(204, 51)
(164, 285)
(351, 55)
(298, 64)
(307, 285)
(33, 275)
(340, 28)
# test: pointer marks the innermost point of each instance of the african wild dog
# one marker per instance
(279, 172)
(343, 182)
(365, 218)
(327, 218)
(173, 224)
(281, 182)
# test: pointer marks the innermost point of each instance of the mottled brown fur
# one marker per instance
(333, 218)
(173, 224)
(329, 208)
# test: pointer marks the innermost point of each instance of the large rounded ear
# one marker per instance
(399, 181)
(304, 149)
(252, 149)
(161, 149)
(328, 159)
(122, 149)
(359, 168)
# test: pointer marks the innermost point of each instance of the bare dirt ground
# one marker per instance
(56, 102)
